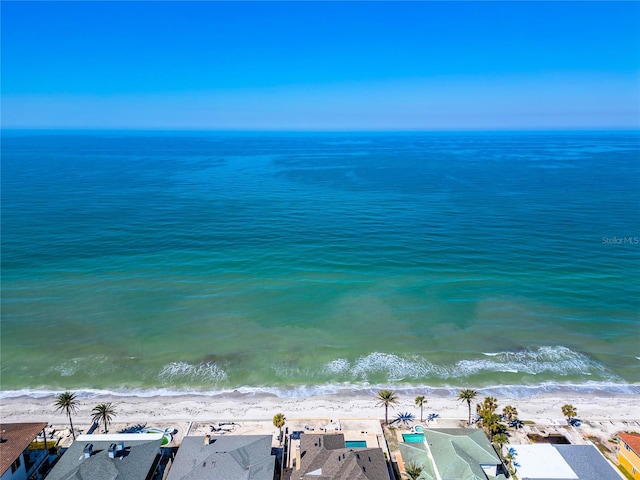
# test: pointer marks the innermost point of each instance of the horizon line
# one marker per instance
(323, 130)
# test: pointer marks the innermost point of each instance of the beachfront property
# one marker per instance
(327, 457)
(546, 461)
(17, 460)
(239, 457)
(460, 453)
(123, 456)
(629, 453)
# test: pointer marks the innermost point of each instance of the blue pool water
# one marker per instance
(356, 444)
(413, 437)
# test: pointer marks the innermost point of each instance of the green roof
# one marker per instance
(456, 453)
(417, 453)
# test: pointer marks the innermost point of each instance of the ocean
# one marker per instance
(140, 263)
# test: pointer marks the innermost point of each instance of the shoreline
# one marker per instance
(542, 407)
(521, 391)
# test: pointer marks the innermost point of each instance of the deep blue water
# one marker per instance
(210, 261)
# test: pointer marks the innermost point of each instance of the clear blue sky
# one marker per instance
(321, 65)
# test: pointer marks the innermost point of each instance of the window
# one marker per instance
(15, 465)
(627, 447)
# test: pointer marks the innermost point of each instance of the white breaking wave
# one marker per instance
(392, 366)
(183, 371)
(368, 372)
(558, 360)
(304, 391)
(340, 365)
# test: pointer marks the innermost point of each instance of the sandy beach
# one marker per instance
(542, 408)
(356, 414)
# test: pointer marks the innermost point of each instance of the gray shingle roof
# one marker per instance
(324, 457)
(238, 457)
(587, 462)
(133, 463)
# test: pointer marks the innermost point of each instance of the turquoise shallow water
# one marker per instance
(302, 263)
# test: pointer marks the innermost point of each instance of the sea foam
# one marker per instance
(183, 371)
(348, 389)
(559, 360)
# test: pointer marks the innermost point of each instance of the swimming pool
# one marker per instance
(356, 444)
(413, 437)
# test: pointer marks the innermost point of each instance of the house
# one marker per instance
(17, 462)
(629, 453)
(123, 456)
(325, 457)
(459, 453)
(545, 461)
(238, 457)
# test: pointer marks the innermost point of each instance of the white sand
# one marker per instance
(542, 408)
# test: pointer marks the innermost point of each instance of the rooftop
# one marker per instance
(460, 453)
(325, 457)
(238, 457)
(587, 462)
(135, 457)
(545, 461)
(541, 461)
(16, 437)
(631, 439)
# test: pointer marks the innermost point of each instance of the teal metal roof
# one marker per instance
(456, 453)
(417, 453)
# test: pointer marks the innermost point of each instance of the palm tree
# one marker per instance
(103, 413)
(510, 413)
(412, 471)
(500, 440)
(489, 404)
(66, 402)
(278, 421)
(421, 401)
(489, 419)
(569, 411)
(386, 398)
(466, 395)
(510, 457)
